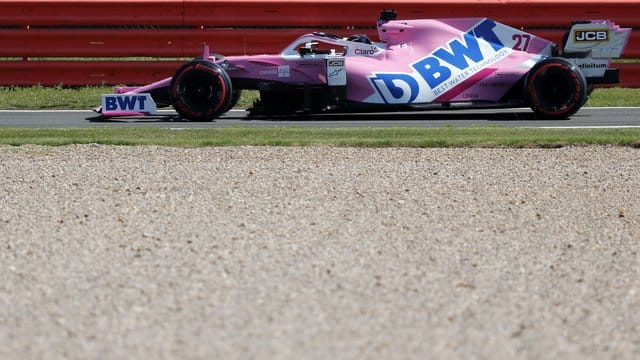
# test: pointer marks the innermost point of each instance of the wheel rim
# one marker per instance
(200, 89)
(555, 89)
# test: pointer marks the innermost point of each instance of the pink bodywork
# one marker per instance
(406, 66)
(403, 43)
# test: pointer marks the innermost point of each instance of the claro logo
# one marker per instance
(591, 35)
(371, 51)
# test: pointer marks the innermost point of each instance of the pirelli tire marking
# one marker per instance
(201, 90)
(555, 88)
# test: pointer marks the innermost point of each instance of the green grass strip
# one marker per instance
(448, 136)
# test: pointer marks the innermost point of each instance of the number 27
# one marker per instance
(522, 42)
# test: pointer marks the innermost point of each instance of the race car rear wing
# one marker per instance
(592, 44)
(598, 39)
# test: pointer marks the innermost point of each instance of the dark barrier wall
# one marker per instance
(83, 42)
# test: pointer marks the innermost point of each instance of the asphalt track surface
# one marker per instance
(618, 117)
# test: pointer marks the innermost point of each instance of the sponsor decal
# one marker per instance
(336, 74)
(443, 69)
(273, 71)
(336, 62)
(591, 35)
(307, 65)
(592, 66)
(142, 103)
(282, 71)
(368, 51)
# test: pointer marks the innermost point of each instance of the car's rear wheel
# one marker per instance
(555, 88)
(201, 90)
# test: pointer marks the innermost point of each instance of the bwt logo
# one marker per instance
(128, 102)
(591, 35)
(135, 102)
(444, 68)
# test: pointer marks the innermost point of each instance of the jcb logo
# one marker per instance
(591, 35)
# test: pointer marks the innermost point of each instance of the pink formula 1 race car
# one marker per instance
(415, 65)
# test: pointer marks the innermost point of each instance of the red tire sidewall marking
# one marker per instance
(535, 101)
(219, 78)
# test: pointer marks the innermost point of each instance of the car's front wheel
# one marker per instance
(201, 90)
(555, 88)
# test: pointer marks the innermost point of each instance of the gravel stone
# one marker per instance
(116, 252)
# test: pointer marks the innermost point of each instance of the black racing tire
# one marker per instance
(200, 90)
(555, 88)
